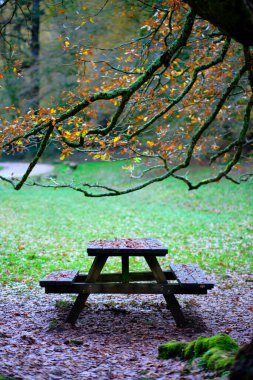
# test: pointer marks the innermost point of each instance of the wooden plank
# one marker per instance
(125, 269)
(59, 277)
(126, 247)
(114, 288)
(191, 275)
(81, 299)
(171, 301)
(133, 276)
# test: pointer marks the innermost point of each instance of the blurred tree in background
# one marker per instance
(148, 81)
(34, 48)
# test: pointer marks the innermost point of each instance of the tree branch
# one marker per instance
(41, 149)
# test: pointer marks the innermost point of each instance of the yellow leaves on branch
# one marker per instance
(144, 108)
(150, 144)
(175, 4)
(67, 134)
(115, 140)
(65, 153)
(66, 45)
(84, 51)
(100, 156)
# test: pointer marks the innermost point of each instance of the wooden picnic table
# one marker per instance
(180, 279)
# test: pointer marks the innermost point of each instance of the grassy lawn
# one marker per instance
(43, 229)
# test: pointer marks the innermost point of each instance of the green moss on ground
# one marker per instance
(171, 349)
(198, 347)
(218, 360)
(216, 353)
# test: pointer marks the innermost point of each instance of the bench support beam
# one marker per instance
(92, 276)
(125, 269)
(171, 301)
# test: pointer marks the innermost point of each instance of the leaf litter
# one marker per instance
(116, 336)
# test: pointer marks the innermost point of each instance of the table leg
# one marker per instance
(171, 301)
(125, 269)
(92, 276)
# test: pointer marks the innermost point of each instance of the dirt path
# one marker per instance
(17, 169)
(116, 337)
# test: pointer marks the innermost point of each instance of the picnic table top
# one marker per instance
(126, 247)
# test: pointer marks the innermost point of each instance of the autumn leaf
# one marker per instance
(115, 140)
(150, 143)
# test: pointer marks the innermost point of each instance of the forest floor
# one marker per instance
(116, 337)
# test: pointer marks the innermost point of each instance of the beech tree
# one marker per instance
(169, 97)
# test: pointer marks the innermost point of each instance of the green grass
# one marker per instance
(43, 229)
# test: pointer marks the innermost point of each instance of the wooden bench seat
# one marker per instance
(191, 275)
(59, 277)
(188, 278)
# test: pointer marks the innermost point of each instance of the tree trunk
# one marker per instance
(35, 51)
(232, 17)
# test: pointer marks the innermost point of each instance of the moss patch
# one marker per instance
(198, 347)
(218, 360)
(216, 353)
(171, 349)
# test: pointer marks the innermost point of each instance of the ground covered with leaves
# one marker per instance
(116, 337)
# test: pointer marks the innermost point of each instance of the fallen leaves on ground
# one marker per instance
(116, 336)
